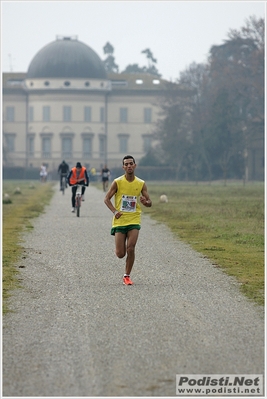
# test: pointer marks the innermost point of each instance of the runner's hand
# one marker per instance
(143, 200)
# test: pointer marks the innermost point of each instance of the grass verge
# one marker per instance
(23, 204)
(224, 223)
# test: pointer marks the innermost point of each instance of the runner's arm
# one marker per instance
(107, 200)
(144, 198)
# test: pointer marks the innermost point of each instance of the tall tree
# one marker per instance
(173, 127)
(151, 68)
(109, 62)
(216, 128)
(196, 79)
(149, 55)
(134, 68)
(151, 62)
(238, 66)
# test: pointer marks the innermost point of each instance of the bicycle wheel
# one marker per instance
(78, 211)
(63, 187)
(78, 206)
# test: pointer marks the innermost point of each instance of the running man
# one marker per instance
(126, 221)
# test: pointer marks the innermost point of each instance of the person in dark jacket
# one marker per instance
(78, 175)
(105, 177)
(63, 170)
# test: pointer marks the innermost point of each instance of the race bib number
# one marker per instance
(128, 203)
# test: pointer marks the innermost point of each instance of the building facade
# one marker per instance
(67, 107)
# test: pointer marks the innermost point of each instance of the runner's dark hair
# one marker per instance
(128, 157)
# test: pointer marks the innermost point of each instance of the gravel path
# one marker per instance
(77, 330)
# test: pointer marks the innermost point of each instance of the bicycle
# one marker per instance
(78, 199)
(63, 182)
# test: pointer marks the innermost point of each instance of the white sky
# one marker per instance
(177, 32)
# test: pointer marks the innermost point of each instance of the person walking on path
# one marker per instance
(43, 173)
(127, 212)
(78, 175)
(105, 173)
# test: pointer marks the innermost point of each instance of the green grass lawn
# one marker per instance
(224, 223)
(26, 203)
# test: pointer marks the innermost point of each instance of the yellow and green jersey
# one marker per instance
(126, 201)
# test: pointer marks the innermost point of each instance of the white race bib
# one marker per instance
(128, 203)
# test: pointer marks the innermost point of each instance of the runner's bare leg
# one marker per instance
(132, 237)
(126, 244)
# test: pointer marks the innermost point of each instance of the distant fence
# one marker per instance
(152, 173)
(145, 173)
(20, 173)
(149, 173)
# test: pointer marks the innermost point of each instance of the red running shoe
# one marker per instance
(127, 280)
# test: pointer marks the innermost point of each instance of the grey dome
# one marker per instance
(66, 58)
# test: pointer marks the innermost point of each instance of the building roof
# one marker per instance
(136, 81)
(13, 82)
(66, 57)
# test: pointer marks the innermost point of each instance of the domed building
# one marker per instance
(66, 58)
(67, 107)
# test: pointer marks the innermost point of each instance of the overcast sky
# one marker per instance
(178, 33)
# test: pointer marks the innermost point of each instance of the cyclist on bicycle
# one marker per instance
(78, 175)
(63, 169)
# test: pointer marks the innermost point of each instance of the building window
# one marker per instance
(46, 114)
(66, 147)
(147, 115)
(147, 143)
(46, 147)
(67, 114)
(30, 114)
(10, 114)
(31, 146)
(119, 83)
(10, 143)
(123, 115)
(102, 146)
(87, 114)
(102, 114)
(87, 147)
(123, 144)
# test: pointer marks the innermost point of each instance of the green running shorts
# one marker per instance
(124, 229)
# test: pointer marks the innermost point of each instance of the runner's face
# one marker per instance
(129, 166)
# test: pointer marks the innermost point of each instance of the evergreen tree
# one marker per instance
(109, 62)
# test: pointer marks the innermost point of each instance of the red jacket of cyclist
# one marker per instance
(78, 175)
